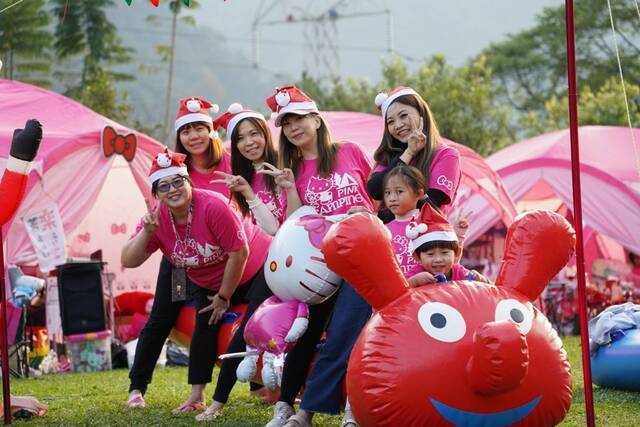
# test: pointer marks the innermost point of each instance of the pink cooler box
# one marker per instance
(89, 352)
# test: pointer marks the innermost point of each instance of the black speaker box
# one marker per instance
(81, 297)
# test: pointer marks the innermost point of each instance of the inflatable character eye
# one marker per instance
(442, 322)
(516, 311)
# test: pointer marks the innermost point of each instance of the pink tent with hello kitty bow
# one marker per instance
(100, 199)
(481, 189)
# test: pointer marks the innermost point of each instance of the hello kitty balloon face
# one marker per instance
(295, 267)
(462, 353)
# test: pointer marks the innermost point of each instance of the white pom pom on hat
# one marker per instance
(214, 134)
(274, 115)
(414, 229)
(194, 105)
(215, 108)
(380, 98)
(283, 98)
(235, 108)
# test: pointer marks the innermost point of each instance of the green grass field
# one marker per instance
(98, 399)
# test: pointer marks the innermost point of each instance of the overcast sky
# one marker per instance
(457, 28)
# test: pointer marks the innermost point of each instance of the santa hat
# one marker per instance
(234, 115)
(430, 226)
(290, 99)
(384, 99)
(166, 164)
(194, 109)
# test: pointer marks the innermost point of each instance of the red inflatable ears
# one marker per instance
(539, 243)
(363, 240)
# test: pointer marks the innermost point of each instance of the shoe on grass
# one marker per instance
(281, 413)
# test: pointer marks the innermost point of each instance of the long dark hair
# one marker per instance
(242, 166)
(215, 151)
(390, 147)
(290, 155)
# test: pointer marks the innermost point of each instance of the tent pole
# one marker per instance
(4, 342)
(577, 210)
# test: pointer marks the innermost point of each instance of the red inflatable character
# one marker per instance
(461, 353)
(24, 147)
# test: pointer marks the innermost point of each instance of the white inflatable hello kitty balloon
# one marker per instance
(295, 267)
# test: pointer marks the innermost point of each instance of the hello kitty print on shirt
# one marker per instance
(327, 195)
(275, 204)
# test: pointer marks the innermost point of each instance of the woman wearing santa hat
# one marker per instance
(203, 155)
(411, 137)
(252, 151)
(330, 177)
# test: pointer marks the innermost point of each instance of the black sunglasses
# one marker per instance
(165, 187)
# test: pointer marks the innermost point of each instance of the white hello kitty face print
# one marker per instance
(163, 160)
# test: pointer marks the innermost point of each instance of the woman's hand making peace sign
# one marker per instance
(284, 178)
(235, 184)
(150, 221)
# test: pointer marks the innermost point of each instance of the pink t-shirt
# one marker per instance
(201, 180)
(258, 240)
(444, 173)
(458, 272)
(343, 188)
(402, 248)
(215, 231)
(277, 204)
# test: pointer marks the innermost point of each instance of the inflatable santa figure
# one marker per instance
(24, 147)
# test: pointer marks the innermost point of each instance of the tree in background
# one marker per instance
(605, 106)
(531, 65)
(167, 52)
(84, 31)
(463, 100)
(25, 42)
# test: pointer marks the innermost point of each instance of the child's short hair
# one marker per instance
(439, 244)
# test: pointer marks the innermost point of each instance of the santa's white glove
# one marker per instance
(269, 376)
(297, 329)
(248, 367)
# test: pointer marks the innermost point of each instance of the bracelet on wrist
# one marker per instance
(254, 203)
(225, 299)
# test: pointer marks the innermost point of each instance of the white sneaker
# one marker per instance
(281, 413)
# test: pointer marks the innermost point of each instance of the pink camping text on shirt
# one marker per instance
(277, 203)
(402, 248)
(343, 188)
(201, 180)
(444, 173)
(215, 231)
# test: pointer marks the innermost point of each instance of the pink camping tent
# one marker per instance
(540, 168)
(100, 198)
(481, 190)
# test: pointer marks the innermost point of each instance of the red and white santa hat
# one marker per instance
(290, 99)
(194, 109)
(167, 163)
(234, 115)
(430, 226)
(384, 99)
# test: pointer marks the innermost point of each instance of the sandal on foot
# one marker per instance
(209, 415)
(349, 422)
(136, 401)
(189, 406)
(297, 421)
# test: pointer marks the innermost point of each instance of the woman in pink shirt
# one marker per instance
(205, 243)
(255, 193)
(330, 177)
(411, 137)
(204, 154)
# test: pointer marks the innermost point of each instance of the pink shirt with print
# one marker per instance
(444, 172)
(402, 248)
(343, 188)
(215, 231)
(277, 203)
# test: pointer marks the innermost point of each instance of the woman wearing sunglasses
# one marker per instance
(203, 154)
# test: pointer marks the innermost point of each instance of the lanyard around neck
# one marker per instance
(180, 243)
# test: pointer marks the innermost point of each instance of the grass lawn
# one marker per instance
(98, 399)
